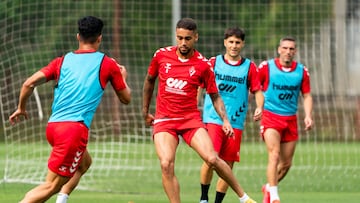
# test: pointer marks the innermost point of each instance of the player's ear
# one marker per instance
(196, 37)
(99, 39)
(78, 36)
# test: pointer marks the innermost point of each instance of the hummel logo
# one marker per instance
(75, 163)
(62, 168)
(76, 159)
(78, 153)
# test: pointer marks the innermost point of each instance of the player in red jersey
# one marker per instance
(181, 70)
(282, 79)
(81, 77)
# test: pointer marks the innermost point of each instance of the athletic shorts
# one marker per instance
(186, 128)
(68, 141)
(228, 148)
(285, 125)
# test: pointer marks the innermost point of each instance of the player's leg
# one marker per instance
(272, 140)
(287, 150)
(165, 145)
(74, 181)
(202, 144)
(68, 141)
(206, 174)
(222, 186)
(44, 191)
(230, 153)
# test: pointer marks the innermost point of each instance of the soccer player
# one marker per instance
(81, 77)
(282, 80)
(181, 70)
(235, 76)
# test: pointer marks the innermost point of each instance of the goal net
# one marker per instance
(33, 32)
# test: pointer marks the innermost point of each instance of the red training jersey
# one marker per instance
(179, 80)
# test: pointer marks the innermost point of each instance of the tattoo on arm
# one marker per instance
(218, 105)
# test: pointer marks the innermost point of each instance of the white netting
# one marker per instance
(33, 32)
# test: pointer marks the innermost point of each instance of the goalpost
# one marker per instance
(34, 32)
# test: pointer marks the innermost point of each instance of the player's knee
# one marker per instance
(211, 161)
(286, 165)
(52, 188)
(167, 167)
(274, 156)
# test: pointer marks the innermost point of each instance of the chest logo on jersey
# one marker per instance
(175, 86)
(167, 67)
(192, 71)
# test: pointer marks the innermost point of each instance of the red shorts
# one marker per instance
(228, 148)
(183, 127)
(285, 125)
(68, 141)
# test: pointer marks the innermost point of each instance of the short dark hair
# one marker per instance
(234, 31)
(287, 38)
(90, 28)
(187, 23)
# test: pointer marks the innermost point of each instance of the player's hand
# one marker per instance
(149, 119)
(123, 71)
(16, 116)
(308, 123)
(227, 128)
(257, 114)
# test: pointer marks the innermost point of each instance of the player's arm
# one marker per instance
(117, 75)
(124, 95)
(308, 105)
(27, 89)
(255, 88)
(259, 100)
(308, 101)
(221, 111)
(148, 90)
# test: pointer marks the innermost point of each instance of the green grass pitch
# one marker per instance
(322, 173)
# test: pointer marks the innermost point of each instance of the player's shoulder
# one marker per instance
(305, 69)
(56, 62)
(164, 50)
(201, 59)
(212, 60)
(263, 64)
(110, 63)
(251, 62)
(109, 60)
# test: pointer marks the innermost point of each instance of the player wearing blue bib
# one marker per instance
(81, 77)
(282, 80)
(235, 76)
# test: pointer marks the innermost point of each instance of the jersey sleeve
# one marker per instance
(212, 62)
(209, 80)
(110, 72)
(52, 70)
(253, 78)
(263, 75)
(153, 68)
(305, 85)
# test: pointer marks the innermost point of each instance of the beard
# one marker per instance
(184, 51)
